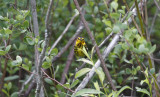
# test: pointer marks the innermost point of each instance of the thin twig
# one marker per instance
(25, 83)
(48, 13)
(153, 21)
(105, 40)
(157, 4)
(68, 63)
(56, 81)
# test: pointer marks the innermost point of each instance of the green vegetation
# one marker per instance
(38, 60)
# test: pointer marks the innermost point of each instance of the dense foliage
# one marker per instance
(133, 62)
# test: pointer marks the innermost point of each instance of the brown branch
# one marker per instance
(68, 63)
(96, 47)
(56, 81)
(31, 86)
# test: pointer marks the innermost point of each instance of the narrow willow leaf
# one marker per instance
(96, 85)
(122, 89)
(92, 52)
(101, 74)
(82, 72)
(86, 61)
(74, 83)
(143, 91)
(87, 91)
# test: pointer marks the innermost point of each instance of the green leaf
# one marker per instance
(138, 68)
(116, 29)
(19, 59)
(1, 75)
(15, 94)
(48, 59)
(2, 52)
(10, 78)
(142, 49)
(14, 63)
(128, 71)
(54, 52)
(23, 31)
(122, 89)
(88, 9)
(26, 24)
(86, 61)
(87, 91)
(9, 86)
(142, 91)
(8, 31)
(8, 48)
(85, 52)
(92, 51)
(152, 49)
(4, 91)
(82, 72)
(67, 85)
(121, 11)
(152, 70)
(115, 15)
(4, 18)
(22, 46)
(19, 17)
(101, 74)
(46, 65)
(107, 22)
(96, 85)
(129, 15)
(49, 81)
(30, 41)
(25, 12)
(74, 83)
(95, 10)
(25, 67)
(108, 30)
(57, 68)
(127, 61)
(114, 5)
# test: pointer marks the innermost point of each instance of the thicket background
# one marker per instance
(37, 48)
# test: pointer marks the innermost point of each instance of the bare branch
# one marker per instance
(48, 13)
(25, 83)
(56, 81)
(157, 4)
(153, 21)
(68, 63)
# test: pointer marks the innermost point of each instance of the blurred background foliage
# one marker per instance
(17, 38)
